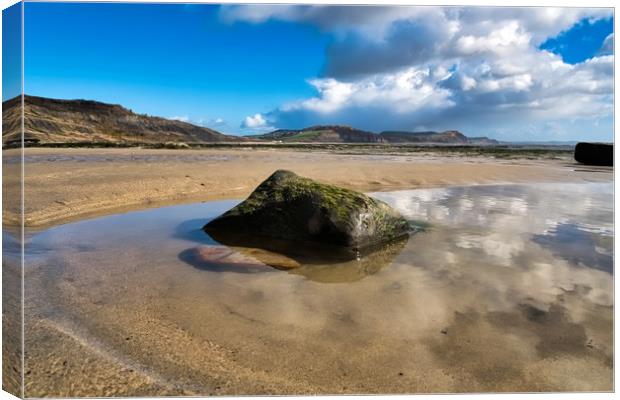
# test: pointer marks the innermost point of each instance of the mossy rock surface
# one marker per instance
(287, 206)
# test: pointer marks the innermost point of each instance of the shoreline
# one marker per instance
(65, 185)
(87, 214)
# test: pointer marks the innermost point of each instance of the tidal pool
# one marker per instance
(509, 288)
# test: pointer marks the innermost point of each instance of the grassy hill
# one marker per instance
(87, 123)
(75, 121)
(424, 137)
(345, 134)
(322, 134)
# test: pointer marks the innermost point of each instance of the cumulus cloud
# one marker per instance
(406, 67)
(539, 86)
(372, 20)
(404, 95)
(371, 39)
(256, 121)
(183, 118)
(543, 21)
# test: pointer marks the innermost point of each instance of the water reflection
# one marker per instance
(578, 246)
(510, 290)
(500, 221)
(319, 266)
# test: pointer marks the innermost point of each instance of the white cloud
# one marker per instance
(506, 39)
(372, 20)
(332, 96)
(445, 68)
(371, 39)
(183, 118)
(404, 92)
(536, 86)
(542, 21)
(256, 121)
(212, 122)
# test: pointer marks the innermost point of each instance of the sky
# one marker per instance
(518, 74)
(11, 51)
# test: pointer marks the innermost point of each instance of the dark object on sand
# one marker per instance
(296, 209)
(595, 154)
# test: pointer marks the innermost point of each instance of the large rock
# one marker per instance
(290, 208)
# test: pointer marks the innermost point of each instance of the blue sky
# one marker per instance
(505, 73)
(167, 60)
(11, 51)
(582, 41)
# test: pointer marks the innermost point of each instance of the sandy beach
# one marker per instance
(144, 322)
(62, 185)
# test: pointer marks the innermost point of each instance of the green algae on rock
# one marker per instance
(293, 208)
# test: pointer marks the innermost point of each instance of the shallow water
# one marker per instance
(510, 288)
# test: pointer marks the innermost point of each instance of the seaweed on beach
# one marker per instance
(503, 152)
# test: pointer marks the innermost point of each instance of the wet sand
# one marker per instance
(62, 185)
(89, 337)
(486, 301)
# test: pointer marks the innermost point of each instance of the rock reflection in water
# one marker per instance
(315, 262)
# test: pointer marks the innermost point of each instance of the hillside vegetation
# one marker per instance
(54, 122)
(73, 121)
(346, 134)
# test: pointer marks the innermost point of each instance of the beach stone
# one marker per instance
(601, 154)
(293, 208)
